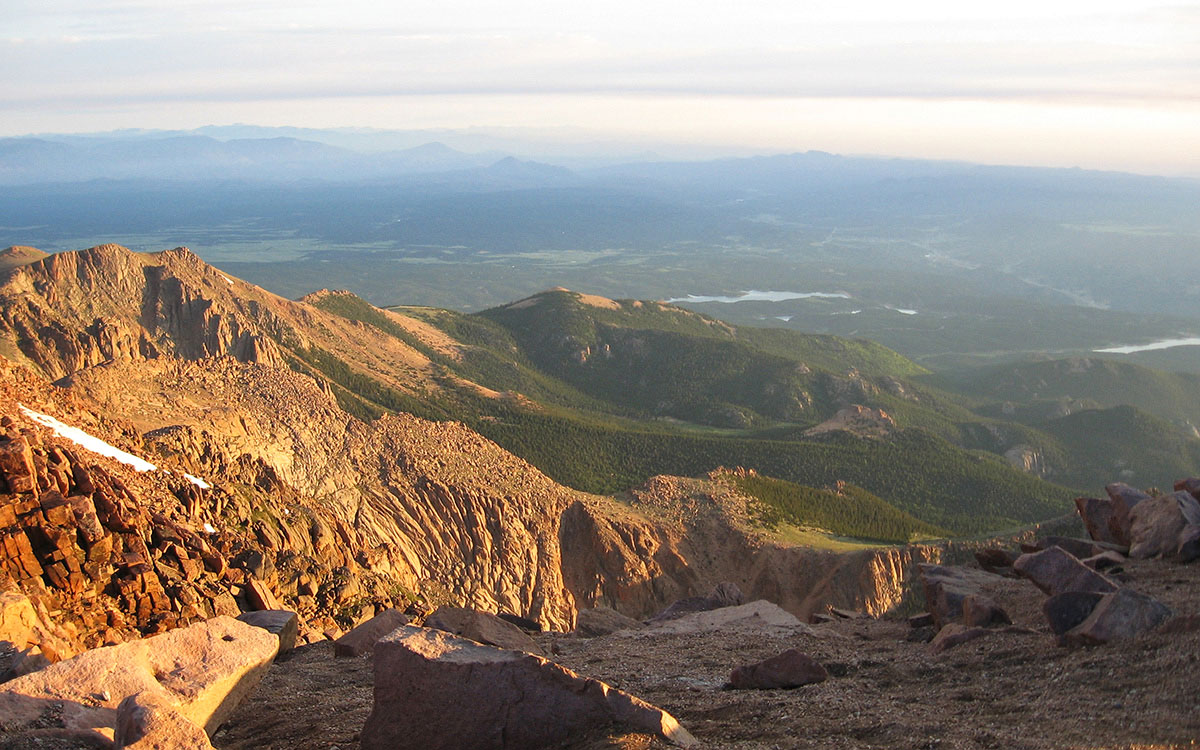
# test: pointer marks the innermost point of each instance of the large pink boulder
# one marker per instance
(1055, 571)
(482, 627)
(203, 671)
(1157, 522)
(950, 592)
(1124, 499)
(362, 639)
(1121, 614)
(148, 722)
(1098, 515)
(436, 691)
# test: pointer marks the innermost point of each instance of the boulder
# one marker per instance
(1066, 610)
(1156, 524)
(591, 623)
(1098, 514)
(922, 620)
(1106, 560)
(17, 619)
(453, 693)
(1189, 508)
(146, 721)
(723, 595)
(1190, 485)
(955, 634)
(946, 588)
(1121, 614)
(981, 611)
(995, 560)
(1189, 544)
(282, 622)
(1054, 571)
(362, 639)
(1124, 499)
(203, 670)
(1080, 548)
(760, 616)
(483, 628)
(726, 594)
(524, 623)
(790, 669)
(259, 596)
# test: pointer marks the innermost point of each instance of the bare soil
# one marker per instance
(1013, 689)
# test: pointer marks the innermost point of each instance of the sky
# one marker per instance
(1097, 84)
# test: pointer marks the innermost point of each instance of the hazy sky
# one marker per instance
(1094, 84)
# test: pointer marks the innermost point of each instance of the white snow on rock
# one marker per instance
(96, 445)
(197, 481)
(84, 440)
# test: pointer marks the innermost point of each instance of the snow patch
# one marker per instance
(208, 528)
(197, 481)
(228, 280)
(96, 445)
(84, 440)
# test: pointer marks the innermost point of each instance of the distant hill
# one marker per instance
(662, 360)
(19, 255)
(1057, 383)
(190, 157)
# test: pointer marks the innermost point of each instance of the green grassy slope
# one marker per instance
(596, 380)
(846, 510)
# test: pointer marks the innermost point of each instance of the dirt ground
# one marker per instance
(1012, 690)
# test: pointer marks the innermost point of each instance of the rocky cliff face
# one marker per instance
(72, 310)
(681, 537)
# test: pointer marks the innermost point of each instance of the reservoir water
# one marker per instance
(1162, 344)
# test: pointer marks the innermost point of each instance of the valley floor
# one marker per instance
(1014, 690)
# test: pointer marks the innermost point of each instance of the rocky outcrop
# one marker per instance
(692, 535)
(72, 310)
(1028, 458)
(454, 693)
(856, 419)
